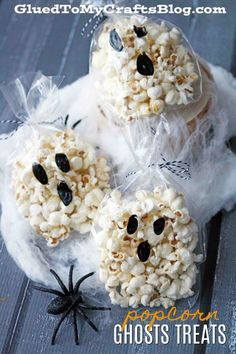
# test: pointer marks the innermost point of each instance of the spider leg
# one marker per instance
(75, 124)
(77, 285)
(66, 119)
(94, 308)
(50, 291)
(60, 282)
(87, 319)
(71, 289)
(75, 327)
(59, 325)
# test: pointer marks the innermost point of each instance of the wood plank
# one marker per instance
(21, 49)
(225, 284)
(220, 32)
(213, 36)
(208, 273)
(6, 14)
(12, 279)
(223, 298)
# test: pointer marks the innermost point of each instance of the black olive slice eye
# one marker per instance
(132, 224)
(144, 251)
(140, 31)
(158, 226)
(145, 65)
(115, 41)
(62, 162)
(40, 173)
(65, 193)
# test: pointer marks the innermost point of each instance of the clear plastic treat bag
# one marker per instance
(146, 74)
(146, 68)
(149, 232)
(53, 182)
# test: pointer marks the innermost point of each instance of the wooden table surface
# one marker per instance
(53, 44)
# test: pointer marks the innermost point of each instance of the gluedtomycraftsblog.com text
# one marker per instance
(113, 9)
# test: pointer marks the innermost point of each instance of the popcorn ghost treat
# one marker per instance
(146, 63)
(147, 248)
(146, 68)
(58, 183)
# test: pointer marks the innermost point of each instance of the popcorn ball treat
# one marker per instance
(147, 67)
(59, 182)
(146, 248)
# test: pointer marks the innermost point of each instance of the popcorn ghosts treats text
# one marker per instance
(146, 67)
(59, 182)
(147, 248)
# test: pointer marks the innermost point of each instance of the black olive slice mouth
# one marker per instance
(115, 41)
(140, 31)
(40, 173)
(62, 162)
(158, 226)
(132, 224)
(65, 193)
(144, 65)
(143, 251)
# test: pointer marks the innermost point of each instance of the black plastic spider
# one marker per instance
(67, 301)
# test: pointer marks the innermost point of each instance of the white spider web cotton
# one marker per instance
(212, 184)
